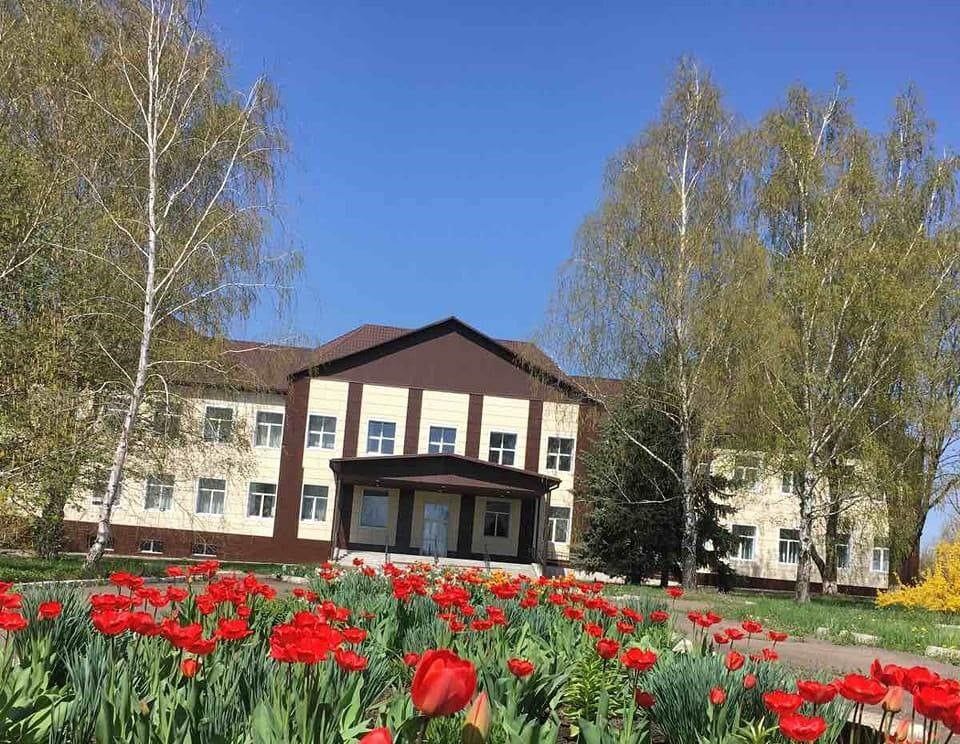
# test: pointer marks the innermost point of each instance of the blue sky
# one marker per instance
(444, 153)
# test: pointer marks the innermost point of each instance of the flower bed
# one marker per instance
(415, 656)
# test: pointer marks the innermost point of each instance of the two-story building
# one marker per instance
(438, 441)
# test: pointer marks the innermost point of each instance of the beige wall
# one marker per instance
(507, 415)
(374, 535)
(452, 500)
(382, 403)
(444, 409)
(496, 545)
(559, 420)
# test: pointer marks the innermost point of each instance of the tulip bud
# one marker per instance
(189, 667)
(477, 725)
(893, 700)
(901, 733)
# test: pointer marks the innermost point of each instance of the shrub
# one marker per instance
(939, 586)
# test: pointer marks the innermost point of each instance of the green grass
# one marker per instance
(897, 628)
(22, 569)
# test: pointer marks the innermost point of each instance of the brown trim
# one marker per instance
(286, 523)
(351, 424)
(531, 458)
(587, 430)
(474, 418)
(179, 544)
(468, 503)
(404, 520)
(411, 431)
(785, 585)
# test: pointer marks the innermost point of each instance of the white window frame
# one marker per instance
(322, 432)
(740, 470)
(92, 538)
(553, 521)
(269, 428)
(440, 446)
(884, 553)
(154, 541)
(558, 455)
(788, 484)
(507, 515)
(166, 490)
(845, 546)
(219, 439)
(207, 550)
(377, 493)
(223, 502)
(781, 540)
(754, 539)
(503, 449)
(314, 499)
(380, 438)
(262, 496)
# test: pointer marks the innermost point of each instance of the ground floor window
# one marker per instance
(374, 508)
(746, 546)
(151, 546)
(313, 506)
(843, 551)
(92, 538)
(789, 546)
(204, 549)
(261, 500)
(496, 519)
(558, 527)
(880, 562)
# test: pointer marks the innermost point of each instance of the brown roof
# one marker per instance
(602, 387)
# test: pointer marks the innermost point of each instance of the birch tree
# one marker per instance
(184, 203)
(660, 277)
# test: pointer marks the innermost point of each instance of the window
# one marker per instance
(92, 538)
(381, 436)
(101, 479)
(558, 524)
(210, 495)
(746, 471)
(217, 424)
(261, 499)
(374, 506)
(880, 562)
(313, 506)
(269, 429)
(496, 519)
(151, 546)
(166, 418)
(843, 551)
(746, 537)
(322, 432)
(159, 492)
(790, 481)
(789, 546)
(503, 448)
(204, 549)
(443, 440)
(559, 453)
(113, 409)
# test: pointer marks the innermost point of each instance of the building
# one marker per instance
(437, 441)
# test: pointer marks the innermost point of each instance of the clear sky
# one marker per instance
(443, 153)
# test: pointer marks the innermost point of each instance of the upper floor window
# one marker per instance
(381, 436)
(789, 547)
(789, 481)
(559, 453)
(746, 537)
(210, 495)
(374, 508)
(503, 448)
(843, 551)
(261, 500)
(880, 560)
(217, 424)
(496, 519)
(269, 431)
(558, 524)
(442, 440)
(101, 480)
(322, 431)
(159, 492)
(313, 506)
(746, 471)
(166, 418)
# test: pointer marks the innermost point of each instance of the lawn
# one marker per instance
(897, 628)
(21, 569)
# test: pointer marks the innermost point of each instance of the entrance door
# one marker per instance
(435, 520)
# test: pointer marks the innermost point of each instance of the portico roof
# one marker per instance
(443, 473)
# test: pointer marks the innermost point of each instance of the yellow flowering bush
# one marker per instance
(939, 586)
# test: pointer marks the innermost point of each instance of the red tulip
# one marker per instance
(717, 696)
(639, 660)
(411, 659)
(233, 629)
(189, 667)
(443, 683)
(520, 668)
(734, 661)
(675, 592)
(350, 661)
(607, 648)
(916, 677)
(935, 702)
(12, 622)
(110, 622)
(378, 736)
(891, 674)
(644, 699)
(862, 690)
(720, 639)
(749, 681)
(815, 692)
(781, 703)
(802, 728)
(49, 610)
(659, 616)
(751, 626)
(776, 636)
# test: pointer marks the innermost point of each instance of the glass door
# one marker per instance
(435, 520)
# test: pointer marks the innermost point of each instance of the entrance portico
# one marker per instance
(439, 505)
